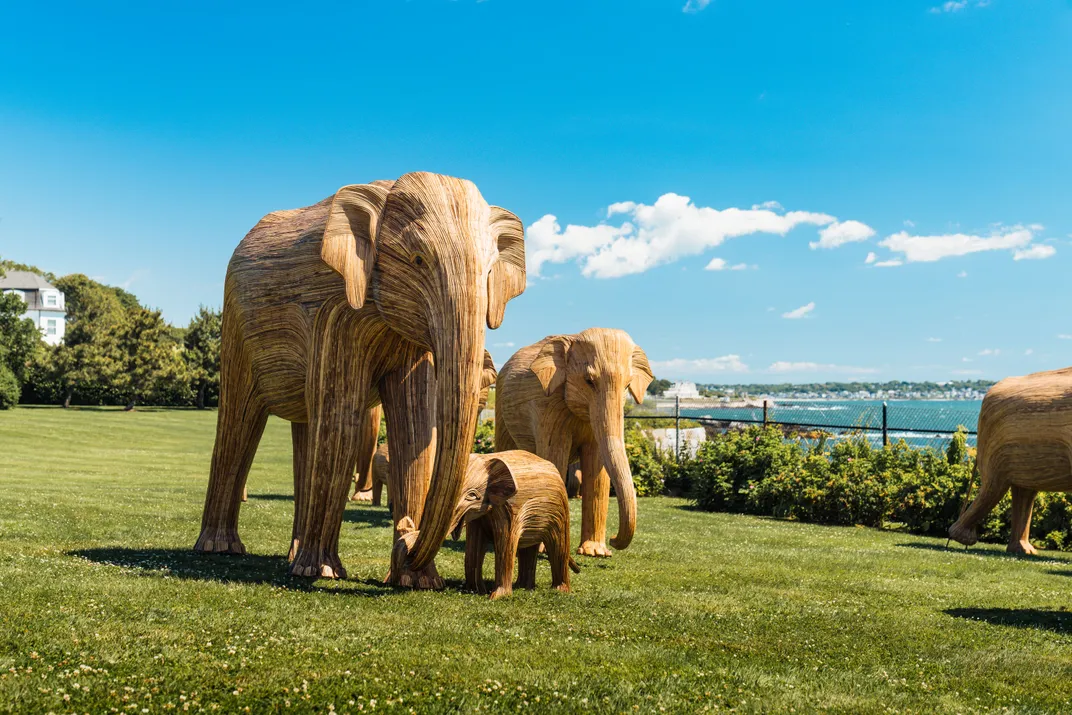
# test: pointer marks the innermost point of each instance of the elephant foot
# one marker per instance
(562, 588)
(293, 553)
(362, 496)
(962, 534)
(310, 564)
(1022, 547)
(500, 592)
(426, 579)
(219, 540)
(594, 548)
(245, 495)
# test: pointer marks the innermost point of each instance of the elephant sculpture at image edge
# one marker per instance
(371, 474)
(377, 294)
(563, 399)
(1024, 443)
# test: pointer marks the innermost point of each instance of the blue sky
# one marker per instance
(641, 143)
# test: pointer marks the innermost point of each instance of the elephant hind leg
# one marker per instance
(239, 425)
(561, 563)
(1023, 501)
(991, 490)
(299, 440)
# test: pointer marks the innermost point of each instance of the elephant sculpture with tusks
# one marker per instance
(378, 294)
(563, 399)
(1024, 443)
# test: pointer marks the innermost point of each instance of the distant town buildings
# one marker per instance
(684, 390)
(45, 304)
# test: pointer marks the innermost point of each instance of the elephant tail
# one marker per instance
(573, 565)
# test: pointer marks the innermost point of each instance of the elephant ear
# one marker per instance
(502, 484)
(506, 280)
(550, 364)
(488, 375)
(349, 244)
(641, 375)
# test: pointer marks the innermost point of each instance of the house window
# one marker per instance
(50, 327)
(50, 300)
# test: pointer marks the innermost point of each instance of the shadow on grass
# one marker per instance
(190, 565)
(1055, 621)
(272, 497)
(372, 516)
(956, 548)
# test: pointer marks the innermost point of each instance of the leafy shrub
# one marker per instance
(484, 441)
(9, 388)
(645, 463)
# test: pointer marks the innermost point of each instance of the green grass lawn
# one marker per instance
(103, 607)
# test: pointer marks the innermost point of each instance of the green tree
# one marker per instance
(90, 361)
(658, 387)
(152, 367)
(19, 337)
(201, 344)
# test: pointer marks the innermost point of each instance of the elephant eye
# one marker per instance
(590, 380)
(473, 496)
(418, 259)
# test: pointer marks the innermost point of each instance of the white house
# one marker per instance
(684, 390)
(45, 304)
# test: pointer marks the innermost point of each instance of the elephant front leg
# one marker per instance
(408, 402)
(475, 549)
(526, 567)
(366, 450)
(336, 408)
(505, 555)
(595, 498)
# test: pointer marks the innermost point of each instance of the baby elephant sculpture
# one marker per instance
(375, 479)
(517, 501)
(1025, 442)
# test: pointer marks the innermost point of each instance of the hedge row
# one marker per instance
(845, 482)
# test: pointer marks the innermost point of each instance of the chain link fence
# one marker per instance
(919, 423)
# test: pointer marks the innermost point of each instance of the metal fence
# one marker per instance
(919, 423)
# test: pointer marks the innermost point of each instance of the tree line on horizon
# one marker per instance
(115, 351)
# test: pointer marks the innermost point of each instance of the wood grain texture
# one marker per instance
(1024, 443)
(514, 501)
(377, 294)
(563, 399)
(363, 472)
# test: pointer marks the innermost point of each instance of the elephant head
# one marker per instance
(439, 264)
(592, 370)
(489, 482)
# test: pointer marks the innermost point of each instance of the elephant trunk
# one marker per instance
(459, 354)
(610, 431)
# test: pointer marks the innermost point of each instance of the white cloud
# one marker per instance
(870, 257)
(1028, 351)
(1038, 251)
(741, 267)
(966, 359)
(716, 264)
(934, 340)
(957, 6)
(678, 366)
(784, 366)
(504, 345)
(841, 232)
(926, 249)
(695, 5)
(800, 312)
(950, 6)
(888, 264)
(962, 274)
(770, 205)
(1064, 336)
(909, 224)
(989, 351)
(652, 235)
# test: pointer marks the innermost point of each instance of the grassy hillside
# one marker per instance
(104, 606)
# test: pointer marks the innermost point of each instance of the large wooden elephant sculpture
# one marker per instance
(563, 398)
(1024, 443)
(377, 294)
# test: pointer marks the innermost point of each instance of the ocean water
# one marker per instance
(918, 422)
